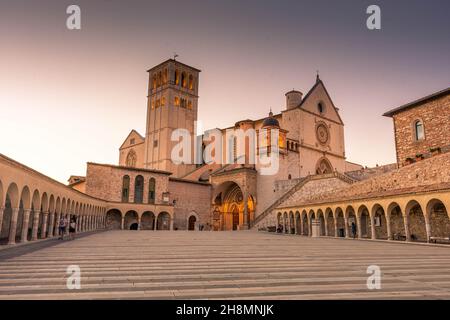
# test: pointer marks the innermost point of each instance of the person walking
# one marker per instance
(354, 230)
(72, 228)
(62, 228)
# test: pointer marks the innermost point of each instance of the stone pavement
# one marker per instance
(223, 265)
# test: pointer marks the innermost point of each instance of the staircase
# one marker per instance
(297, 187)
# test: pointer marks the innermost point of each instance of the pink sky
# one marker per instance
(68, 97)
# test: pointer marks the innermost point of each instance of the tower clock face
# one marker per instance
(322, 133)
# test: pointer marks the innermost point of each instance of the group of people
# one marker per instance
(63, 224)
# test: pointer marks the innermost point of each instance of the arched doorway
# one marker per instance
(324, 166)
(131, 218)
(396, 222)
(351, 222)
(134, 226)
(305, 223)
(163, 221)
(365, 225)
(417, 229)
(380, 222)
(330, 222)
(235, 221)
(439, 219)
(113, 219)
(340, 223)
(191, 223)
(148, 221)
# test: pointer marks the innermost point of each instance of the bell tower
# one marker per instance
(172, 104)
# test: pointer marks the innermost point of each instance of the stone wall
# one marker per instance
(435, 117)
(190, 198)
(105, 182)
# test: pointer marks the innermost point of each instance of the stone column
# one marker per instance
(295, 224)
(13, 228)
(171, 223)
(44, 225)
(34, 231)
(358, 225)
(325, 222)
(346, 227)
(25, 224)
(406, 223)
(427, 226)
(245, 222)
(139, 222)
(372, 227)
(51, 224)
(335, 227)
(388, 227)
(56, 226)
(123, 223)
(2, 210)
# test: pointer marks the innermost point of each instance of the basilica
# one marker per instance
(314, 190)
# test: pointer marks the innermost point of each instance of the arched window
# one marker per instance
(159, 81)
(324, 167)
(138, 189)
(177, 77)
(125, 188)
(183, 80)
(418, 130)
(151, 190)
(191, 82)
(131, 159)
(320, 107)
(154, 81)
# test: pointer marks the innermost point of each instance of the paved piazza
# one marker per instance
(222, 265)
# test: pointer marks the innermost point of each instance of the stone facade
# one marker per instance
(191, 199)
(434, 113)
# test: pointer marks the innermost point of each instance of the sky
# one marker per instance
(68, 97)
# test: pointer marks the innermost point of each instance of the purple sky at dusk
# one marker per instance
(69, 97)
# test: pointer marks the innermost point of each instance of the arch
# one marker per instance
(396, 221)
(126, 188)
(416, 221)
(139, 189)
(191, 82)
(330, 222)
(279, 222)
(177, 77)
(151, 191)
(380, 222)
(438, 218)
(184, 79)
(351, 224)
(192, 222)
(365, 225)
(305, 223)
(340, 222)
(148, 221)
(131, 159)
(285, 222)
(322, 224)
(323, 166)
(113, 219)
(163, 221)
(298, 224)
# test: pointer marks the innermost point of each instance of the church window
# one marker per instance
(138, 189)
(189, 105)
(158, 103)
(131, 159)
(125, 188)
(159, 81)
(163, 101)
(418, 130)
(183, 103)
(151, 191)
(183, 80)
(155, 143)
(191, 82)
(154, 81)
(132, 141)
(320, 107)
(289, 177)
(177, 101)
(324, 167)
(153, 104)
(177, 77)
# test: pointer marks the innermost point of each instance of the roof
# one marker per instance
(130, 168)
(128, 136)
(417, 102)
(176, 62)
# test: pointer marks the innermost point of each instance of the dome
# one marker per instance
(270, 121)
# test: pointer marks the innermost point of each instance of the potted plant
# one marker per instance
(435, 151)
